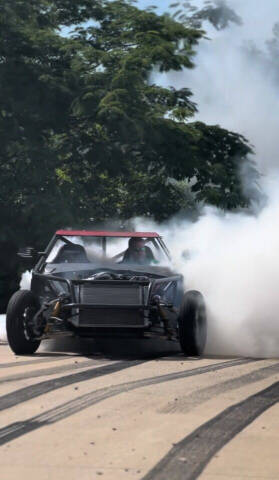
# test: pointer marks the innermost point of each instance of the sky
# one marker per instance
(258, 14)
(162, 5)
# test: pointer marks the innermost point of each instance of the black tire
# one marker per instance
(20, 342)
(193, 324)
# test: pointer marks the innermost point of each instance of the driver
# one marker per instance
(138, 253)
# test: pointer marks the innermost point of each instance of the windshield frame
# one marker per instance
(157, 242)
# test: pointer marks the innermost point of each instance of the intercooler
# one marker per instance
(111, 305)
(102, 294)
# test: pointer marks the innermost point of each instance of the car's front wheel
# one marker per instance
(21, 309)
(193, 324)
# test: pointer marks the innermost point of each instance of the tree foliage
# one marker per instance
(86, 132)
(217, 12)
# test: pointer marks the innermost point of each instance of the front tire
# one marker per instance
(22, 306)
(193, 324)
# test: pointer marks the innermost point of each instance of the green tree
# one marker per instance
(217, 12)
(221, 154)
(87, 133)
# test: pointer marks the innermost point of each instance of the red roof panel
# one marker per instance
(88, 233)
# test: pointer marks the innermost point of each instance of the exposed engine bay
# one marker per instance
(105, 275)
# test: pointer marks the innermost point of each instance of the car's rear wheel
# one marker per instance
(193, 324)
(21, 309)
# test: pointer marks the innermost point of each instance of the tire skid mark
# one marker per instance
(198, 397)
(49, 357)
(51, 371)
(32, 391)
(39, 360)
(17, 429)
(27, 393)
(188, 458)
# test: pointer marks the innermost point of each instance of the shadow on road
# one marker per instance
(113, 349)
(120, 349)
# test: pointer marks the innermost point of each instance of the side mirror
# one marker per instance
(28, 253)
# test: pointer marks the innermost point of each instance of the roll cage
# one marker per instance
(63, 235)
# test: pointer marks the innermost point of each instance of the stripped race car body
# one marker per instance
(87, 283)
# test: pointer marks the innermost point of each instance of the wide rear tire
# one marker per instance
(22, 305)
(193, 324)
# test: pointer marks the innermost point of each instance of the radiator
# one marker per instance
(126, 295)
(110, 317)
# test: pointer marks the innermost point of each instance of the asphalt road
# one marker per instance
(75, 416)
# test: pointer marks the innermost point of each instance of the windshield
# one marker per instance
(107, 250)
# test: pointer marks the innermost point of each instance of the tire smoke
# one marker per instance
(25, 282)
(233, 258)
(3, 333)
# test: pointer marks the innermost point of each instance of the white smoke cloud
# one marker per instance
(233, 258)
(231, 88)
(3, 334)
(25, 282)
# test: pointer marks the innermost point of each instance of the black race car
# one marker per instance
(105, 284)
